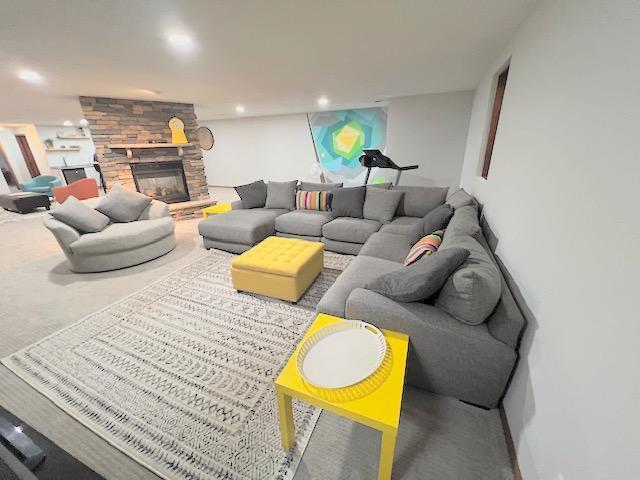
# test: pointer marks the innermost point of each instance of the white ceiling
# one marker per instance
(272, 56)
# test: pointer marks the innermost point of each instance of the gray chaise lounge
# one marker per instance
(119, 245)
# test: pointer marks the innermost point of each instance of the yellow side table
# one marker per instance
(374, 402)
(216, 209)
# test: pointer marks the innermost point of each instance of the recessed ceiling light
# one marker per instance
(240, 109)
(181, 41)
(68, 123)
(30, 76)
(146, 91)
(83, 122)
(323, 101)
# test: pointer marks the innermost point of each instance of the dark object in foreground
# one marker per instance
(375, 158)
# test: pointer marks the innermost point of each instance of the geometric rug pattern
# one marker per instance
(179, 375)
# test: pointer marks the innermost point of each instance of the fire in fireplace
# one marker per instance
(163, 181)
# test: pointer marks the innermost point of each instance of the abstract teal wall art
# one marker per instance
(341, 136)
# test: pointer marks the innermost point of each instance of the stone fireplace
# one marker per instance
(132, 140)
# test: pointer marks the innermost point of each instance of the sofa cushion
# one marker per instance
(123, 205)
(472, 292)
(381, 204)
(252, 195)
(418, 201)
(388, 246)
(303, 222)
(410, 227)
(420, 280)
(318, 187)
(246, 227)
(313, 200)
(360, 271)
(464, 223)
(281, 195)
(80, 216)
(438, 218)
(425, 246)
(354, 230)
(460, 198)
(119, 237)
(348, 202)
(383, 185)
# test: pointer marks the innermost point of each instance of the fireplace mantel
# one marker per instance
(134, 146)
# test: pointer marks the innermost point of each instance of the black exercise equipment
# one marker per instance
(375, 158)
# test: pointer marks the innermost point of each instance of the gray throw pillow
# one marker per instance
(437, 219)
(80, 216)
(252, 195)
(418, 201)
(123, 205)
(281, 195)
(464, 223)
(318, 187)
(420, 280)
(460, 198)
(472, 292)
(381, 204)
(348, 202)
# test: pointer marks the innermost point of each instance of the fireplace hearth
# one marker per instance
(164, 181)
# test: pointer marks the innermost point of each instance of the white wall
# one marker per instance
(562, 197)
(57, 159)
(274, 148)
(430, 131)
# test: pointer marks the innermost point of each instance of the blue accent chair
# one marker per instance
(41, 184)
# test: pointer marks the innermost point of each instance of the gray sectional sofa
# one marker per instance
(450, 355)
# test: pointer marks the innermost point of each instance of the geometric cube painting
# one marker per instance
(341, 136)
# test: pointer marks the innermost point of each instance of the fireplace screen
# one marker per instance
(163, 181)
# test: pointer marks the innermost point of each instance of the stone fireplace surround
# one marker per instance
(120, 121)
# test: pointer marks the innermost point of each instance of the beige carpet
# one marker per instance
(440, 438)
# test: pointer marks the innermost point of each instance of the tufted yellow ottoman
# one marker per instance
(278, 267)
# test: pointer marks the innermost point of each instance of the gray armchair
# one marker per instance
(119, 245)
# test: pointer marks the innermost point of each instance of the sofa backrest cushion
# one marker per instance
(465, 222)
(317, 200)
(418, 201)
(318, 187)
(422, 279)
(281, 195)
(348, 202)
(80, 216)
(123, 205)
(381, 204)
(460, 198)
(472, 292)
(384, 185)
(252, 195)
(438, 218)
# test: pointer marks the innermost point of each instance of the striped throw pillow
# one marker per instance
(313, 200)
(425, 246)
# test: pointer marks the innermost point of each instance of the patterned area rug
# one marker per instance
(179, 375)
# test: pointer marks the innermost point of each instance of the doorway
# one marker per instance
(7, 171)
(27, 155)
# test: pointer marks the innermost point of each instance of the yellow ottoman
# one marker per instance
(278, 267)
(216, 209)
